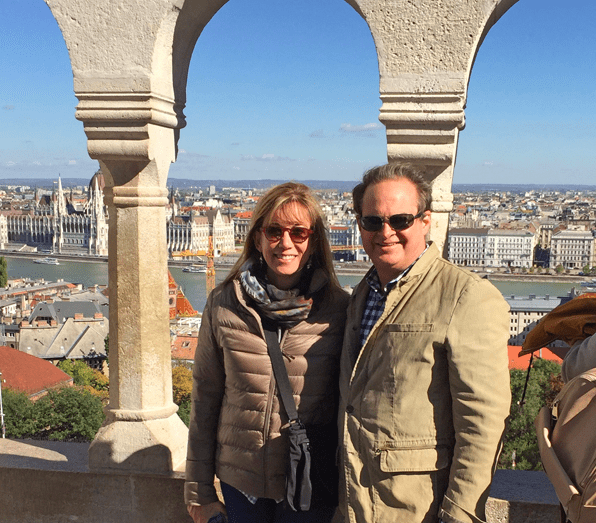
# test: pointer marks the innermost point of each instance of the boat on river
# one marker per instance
(195, 268)
(48, 261)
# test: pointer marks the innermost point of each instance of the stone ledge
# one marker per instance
(49, 482)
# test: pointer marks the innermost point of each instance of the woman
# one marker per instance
(238, 428)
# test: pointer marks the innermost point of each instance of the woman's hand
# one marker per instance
(202, 513)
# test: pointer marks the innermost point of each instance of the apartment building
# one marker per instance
(526, 311)
(572, 249)
(491, 248)
(467, 247)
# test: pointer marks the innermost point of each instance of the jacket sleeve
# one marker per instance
(206, 399)
(481, 396)
(580, 358)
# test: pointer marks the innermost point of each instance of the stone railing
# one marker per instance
(50, 482)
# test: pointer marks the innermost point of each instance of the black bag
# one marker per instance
(298, 484)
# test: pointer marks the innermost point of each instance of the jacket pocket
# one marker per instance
(415, 460)
(410, 327)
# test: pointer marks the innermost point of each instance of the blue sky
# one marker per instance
(284, 89)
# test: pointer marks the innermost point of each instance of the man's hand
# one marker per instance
(202, 513)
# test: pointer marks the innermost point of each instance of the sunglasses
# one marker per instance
(398, 222)
(297, 234)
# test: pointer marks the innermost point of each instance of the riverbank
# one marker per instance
(225, 263)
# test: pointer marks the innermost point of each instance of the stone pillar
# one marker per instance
(135, 145)
(423, 127)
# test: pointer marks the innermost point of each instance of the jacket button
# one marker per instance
(350, 409)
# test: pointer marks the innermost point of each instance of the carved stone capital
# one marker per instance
(119, 125)
(423, 126)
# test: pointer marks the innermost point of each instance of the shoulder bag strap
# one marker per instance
(281, 373)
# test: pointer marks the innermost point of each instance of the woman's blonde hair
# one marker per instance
(271, 202)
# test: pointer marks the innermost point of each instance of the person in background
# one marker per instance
(238, 430)
(424, 380)
(580, 358)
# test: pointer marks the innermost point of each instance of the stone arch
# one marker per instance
(130, 63)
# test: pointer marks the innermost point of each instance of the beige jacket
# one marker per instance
(235, 428)
(423, 404)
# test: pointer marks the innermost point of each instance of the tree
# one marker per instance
(69, 414)
(84, 376)
(586, 269)
(520, 444)
(560, 269)
(18, 414)
(182, 388)
(65, 414)
(3, 272)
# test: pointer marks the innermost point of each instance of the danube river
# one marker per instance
(194, 284)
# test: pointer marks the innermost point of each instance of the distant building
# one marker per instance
(190, 232)
(513, 249)
(467, 247)
(572, 249)
(60, 224)
(526, 311)
(490, 248)
(25, 373)
(65, 330)
(346, 236)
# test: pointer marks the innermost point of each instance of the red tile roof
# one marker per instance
(184, 347)
(29, 374)
(521, 362)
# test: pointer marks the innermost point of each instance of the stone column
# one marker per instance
(423, 127)
(133, 137)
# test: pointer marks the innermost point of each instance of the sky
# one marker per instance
(288, 89)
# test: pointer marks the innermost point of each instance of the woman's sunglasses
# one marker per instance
(398, 222)
(297, 234)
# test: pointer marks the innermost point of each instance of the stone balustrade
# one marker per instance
(50, 482)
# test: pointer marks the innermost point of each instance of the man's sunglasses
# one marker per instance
(398, 222)
(297, 234)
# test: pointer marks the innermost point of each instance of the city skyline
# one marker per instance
(289, 90)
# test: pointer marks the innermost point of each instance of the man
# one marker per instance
(424, 381)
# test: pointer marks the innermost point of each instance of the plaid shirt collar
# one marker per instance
(376, 299)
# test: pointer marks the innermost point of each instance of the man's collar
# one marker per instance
(372, 278)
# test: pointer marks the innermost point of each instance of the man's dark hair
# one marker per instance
(395, 171)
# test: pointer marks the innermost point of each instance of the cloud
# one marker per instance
(236, 168)
(488, 163)
(317, 134)
(235, 144)
(368, 129)
(265, 158)
(10, 163)
(8, 107)
(36, 162)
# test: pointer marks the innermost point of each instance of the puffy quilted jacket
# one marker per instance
(236, 425)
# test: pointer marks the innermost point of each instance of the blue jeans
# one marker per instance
(241, 510)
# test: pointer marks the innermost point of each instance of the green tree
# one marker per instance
(586, 269)
(3, 272)
(68, 414)
(520, 437)
(78, 370)
(18, 414)
(560, 269)
(182, 388)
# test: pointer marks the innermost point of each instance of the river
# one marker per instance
(194, 284)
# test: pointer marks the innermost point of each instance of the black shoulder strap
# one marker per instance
(280, 372)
